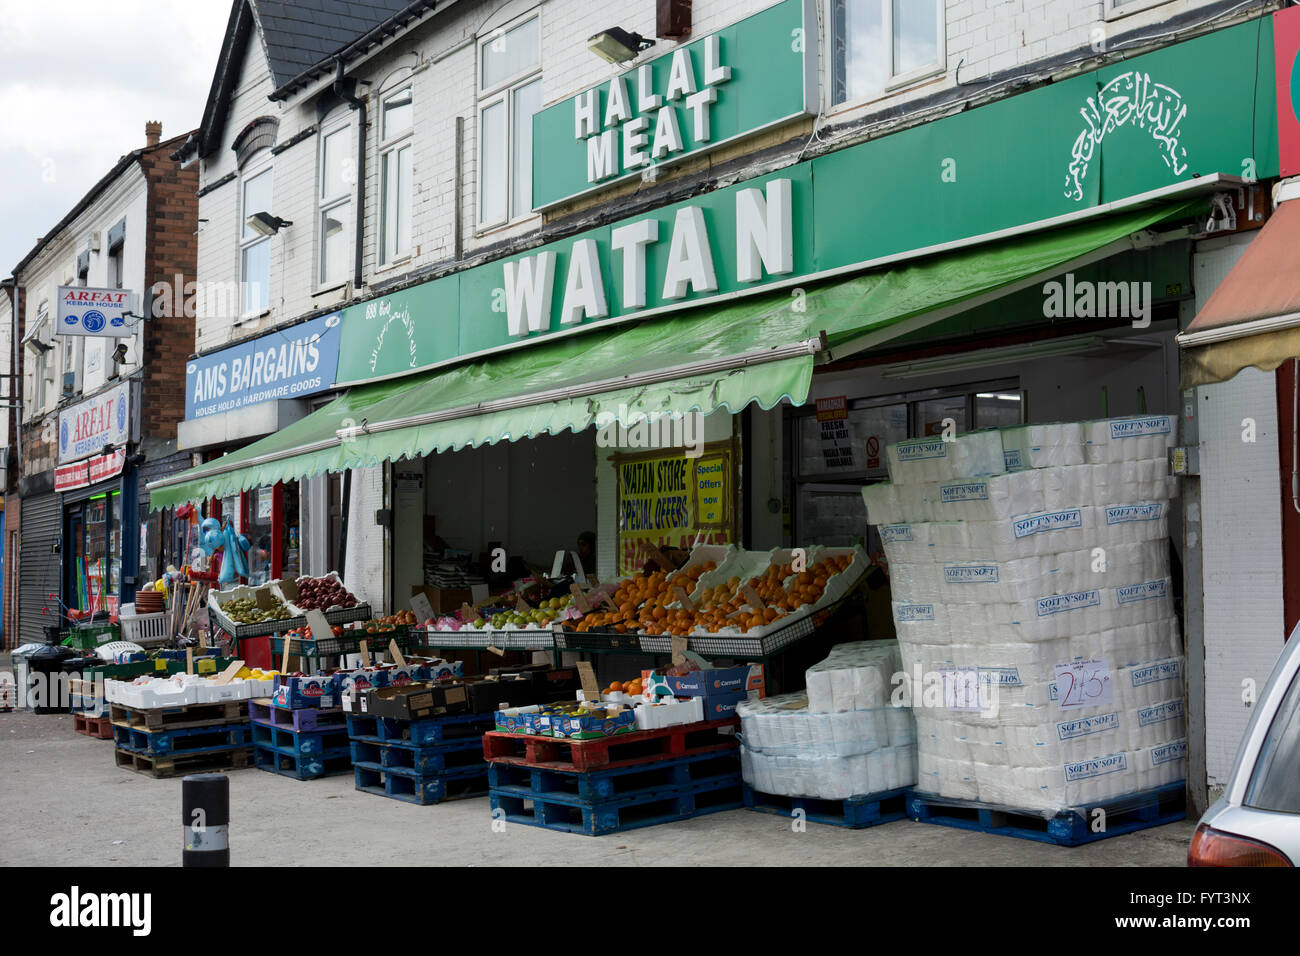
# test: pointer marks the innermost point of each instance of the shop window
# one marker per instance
(510, 92)
(254, 247)
(842, 447)
(261, 508)
(878, 45)
(1122, 8)
(334, 199)
(395, 157)
(289, 531)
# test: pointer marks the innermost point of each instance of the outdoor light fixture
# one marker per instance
(41, 347)
(119, 353)
(617, 45)
(265, 224)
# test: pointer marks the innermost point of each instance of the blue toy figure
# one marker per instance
(213, 537)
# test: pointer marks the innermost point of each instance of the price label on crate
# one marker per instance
(1083, 684)
(961, 689)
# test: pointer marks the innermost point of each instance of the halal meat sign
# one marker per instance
(103, 312)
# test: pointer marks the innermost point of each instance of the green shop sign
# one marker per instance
(1147, 123)
(752, 75)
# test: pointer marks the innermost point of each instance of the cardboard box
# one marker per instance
(296, 693)
(595, 726)
(416, 701)
(512, 719)
(444, 600)
(359, 679)
(718, 680)
(723, 706)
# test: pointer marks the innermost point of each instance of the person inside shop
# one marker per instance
(586, 549)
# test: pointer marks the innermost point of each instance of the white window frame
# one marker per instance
(1115, 11)
(387, 258)
(43, 356)
(254, 169)
(345, 200)
(487, 97)
(895, 81)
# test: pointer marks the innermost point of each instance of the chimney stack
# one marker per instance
(152, 133)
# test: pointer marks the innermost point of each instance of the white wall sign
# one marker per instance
(86, 427)
(84, 311)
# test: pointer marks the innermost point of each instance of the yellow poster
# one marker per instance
(672, 500)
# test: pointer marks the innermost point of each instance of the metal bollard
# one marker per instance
(205, 814)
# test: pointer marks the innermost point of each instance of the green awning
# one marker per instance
(754, 350)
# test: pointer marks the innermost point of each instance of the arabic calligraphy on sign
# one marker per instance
(1132, 99)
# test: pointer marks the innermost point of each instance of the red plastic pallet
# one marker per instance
(641, 746)
(101, 728)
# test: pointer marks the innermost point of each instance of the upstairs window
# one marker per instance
(338, 175)
(395, 155)
(254, 247)
(510, 92)
(878, 45)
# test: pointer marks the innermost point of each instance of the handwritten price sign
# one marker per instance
(1083, 684)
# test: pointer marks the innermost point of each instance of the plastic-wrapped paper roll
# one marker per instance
(828, 777)
(945, 777)
(937, 458)
(1126, 439)
(854, 676)
(900, 726)
(1042, 446)
(783, 725)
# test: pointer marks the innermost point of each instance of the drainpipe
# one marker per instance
(357, 103)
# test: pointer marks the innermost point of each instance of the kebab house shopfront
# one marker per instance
(99, 500)
(527, 400)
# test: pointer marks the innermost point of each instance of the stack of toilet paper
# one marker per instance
(839, 738)
(1035, 617)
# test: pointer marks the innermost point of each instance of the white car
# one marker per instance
(1257, 820)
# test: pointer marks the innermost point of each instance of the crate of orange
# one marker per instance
(753, 617)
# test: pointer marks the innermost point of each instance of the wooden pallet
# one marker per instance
(423, 790)
(100, 728)
(176, 718)
(644, 810)
(302, 720)
(1138, 811)
(558, 753)
(615, 783)
(854, 813)
(231, 758)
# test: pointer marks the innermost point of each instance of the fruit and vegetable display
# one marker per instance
(501, 615)
(740, 603)
(321, 594)
(384, 625)
(247, 611)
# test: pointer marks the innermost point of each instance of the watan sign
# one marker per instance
(736, 82)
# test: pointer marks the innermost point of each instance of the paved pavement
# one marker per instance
(66, 803)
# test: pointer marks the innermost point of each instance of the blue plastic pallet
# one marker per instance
(549, 811)
(613, 784)
(420, 789)
(435, 758)
(300, 741)
(1138, 811)
(301, 766)
(419, 733)
(301, 720)
(854, 813)
(159, 743)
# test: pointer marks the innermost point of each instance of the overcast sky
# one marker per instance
(78, 81)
